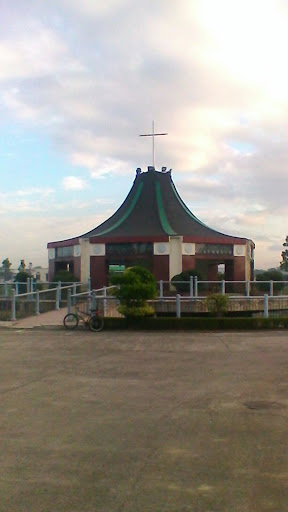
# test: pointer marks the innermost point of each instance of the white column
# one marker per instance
(85, 259)
(175, 257)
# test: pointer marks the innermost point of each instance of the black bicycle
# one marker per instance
(93, 320)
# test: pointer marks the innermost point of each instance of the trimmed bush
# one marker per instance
(136, 312)
(196, 324)
(270, 275)
(217, 304)
(182, 281)
(135, 286)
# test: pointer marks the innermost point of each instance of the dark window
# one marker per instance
(63, 252)
(131, 249)
(214, 249)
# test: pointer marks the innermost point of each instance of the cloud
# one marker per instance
(73, 183)
(90, 76)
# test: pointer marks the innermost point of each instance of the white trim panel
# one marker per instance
(188, 249)
(76, 251)
(97, 250)
(161, 248)
(51, 253)
(239, 250)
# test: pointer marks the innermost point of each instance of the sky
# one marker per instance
(80, 80)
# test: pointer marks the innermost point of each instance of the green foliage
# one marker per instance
(135, 286)
(64, 276)
(136, 312)
(22, 277)
(270, 275)
(284, 254)
(22, 266)
(182, 281)
(217, 304)
(5, 270)
(197, 323)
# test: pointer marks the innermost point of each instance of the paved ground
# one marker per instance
(143, 422)
(50, 319)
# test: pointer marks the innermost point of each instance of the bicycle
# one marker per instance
(93, 320)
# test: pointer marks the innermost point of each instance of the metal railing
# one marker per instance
(92, 299)
(198, 288)
(179, 300)
(31, 285)
(34, 301)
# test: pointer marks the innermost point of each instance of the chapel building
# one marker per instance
(153, 228)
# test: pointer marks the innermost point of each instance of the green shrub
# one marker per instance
(217, 304)
(197, 323)
(22, 277)
(136, 312)
(64, 276)
(270, 275)
(135, 286)
(182, 281)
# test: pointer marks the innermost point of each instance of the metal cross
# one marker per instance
(153, 135)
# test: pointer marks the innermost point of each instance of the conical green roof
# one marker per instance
(154, 208)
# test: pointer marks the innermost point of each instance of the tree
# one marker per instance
(22, 277)
(182, 281)
(64, 276)
(22, 266)
(284, 262)
(5, 271)
(135, 286)
(270, 275)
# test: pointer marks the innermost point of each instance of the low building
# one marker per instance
(154, 228)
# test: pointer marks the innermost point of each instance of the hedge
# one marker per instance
(196, 323)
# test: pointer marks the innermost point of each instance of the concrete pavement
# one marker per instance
(143, 422)
(49, 319)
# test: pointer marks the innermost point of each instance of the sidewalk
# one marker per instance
(51, 319)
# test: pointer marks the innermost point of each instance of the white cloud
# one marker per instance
(73, 183)
(91, 76)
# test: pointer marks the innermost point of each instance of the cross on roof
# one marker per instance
(153, 135)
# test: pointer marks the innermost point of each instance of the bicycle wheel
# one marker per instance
(96, 323)
(70, 321)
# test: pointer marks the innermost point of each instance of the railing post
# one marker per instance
(69, 301)
(89, 284)
(37, 302)
(93, 301)
(161, 289)
(266, 306)
(247, 288)
(195, 287)
(178, 306)
(74, 293)
(31, 284)
(191, 287)
(13, 317)
(271, 289)
(105, 301)
(58, 296)
(223, 287)
(60, 291)
(16, 288)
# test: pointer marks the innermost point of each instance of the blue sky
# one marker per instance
(79, 81)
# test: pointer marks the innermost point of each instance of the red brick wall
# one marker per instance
(188, 263)
(77, 267)
(239, 268)
(161, 267)
(98, 271)
(51, 269)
